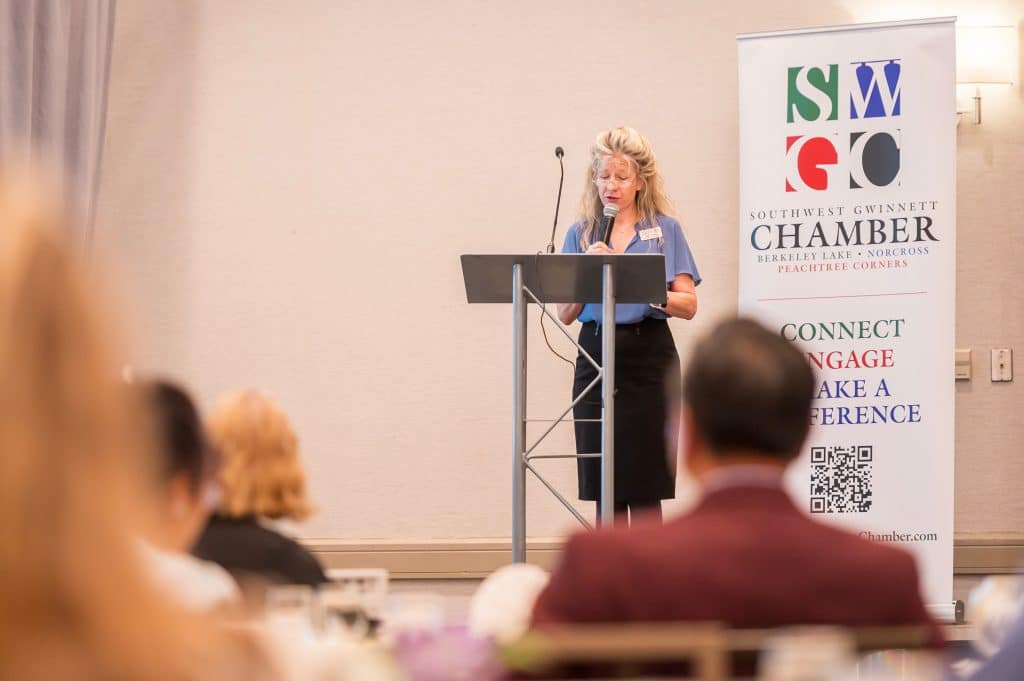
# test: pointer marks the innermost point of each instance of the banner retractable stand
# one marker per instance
(847, 244)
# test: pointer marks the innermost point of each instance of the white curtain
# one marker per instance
(54, 71)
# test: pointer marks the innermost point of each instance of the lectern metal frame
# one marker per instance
(645, 284)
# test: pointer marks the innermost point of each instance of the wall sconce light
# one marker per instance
(985, 55)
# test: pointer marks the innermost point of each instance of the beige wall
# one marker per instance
(288, 185)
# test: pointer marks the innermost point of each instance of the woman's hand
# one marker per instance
(568, 312)
(682, 298)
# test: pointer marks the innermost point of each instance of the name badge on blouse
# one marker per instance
(650, 233)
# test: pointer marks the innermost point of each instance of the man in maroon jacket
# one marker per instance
(746, 556)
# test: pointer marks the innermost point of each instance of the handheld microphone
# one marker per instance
(559, 152)
(610, 211)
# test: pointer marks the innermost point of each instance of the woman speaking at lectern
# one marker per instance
(623, 175)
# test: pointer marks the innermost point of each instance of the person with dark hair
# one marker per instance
(745, 556)
(186, 482)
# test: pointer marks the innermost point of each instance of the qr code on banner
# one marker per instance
(841, 479)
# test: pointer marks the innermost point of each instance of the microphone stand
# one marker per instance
(559, 152)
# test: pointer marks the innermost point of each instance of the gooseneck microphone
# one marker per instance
(610, 211)
(559, 152)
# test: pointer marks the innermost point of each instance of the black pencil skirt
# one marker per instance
(645, 358)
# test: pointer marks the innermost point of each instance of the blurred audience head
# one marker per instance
(502, 604)
(262, 473)
(186, 467)
(747, 396)
(76, 599)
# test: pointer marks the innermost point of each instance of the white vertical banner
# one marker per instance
(847, 245)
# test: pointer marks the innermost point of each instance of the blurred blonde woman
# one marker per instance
(264, 490)
(76, 601)
(623, 178)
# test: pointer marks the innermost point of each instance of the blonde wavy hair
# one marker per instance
(261, 471)
(651, 199)
(77, 599)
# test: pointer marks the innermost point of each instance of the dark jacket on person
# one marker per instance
(746, 557)
(248, 550)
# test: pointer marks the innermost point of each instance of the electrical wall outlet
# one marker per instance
(962, 364)
(1002, 364)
